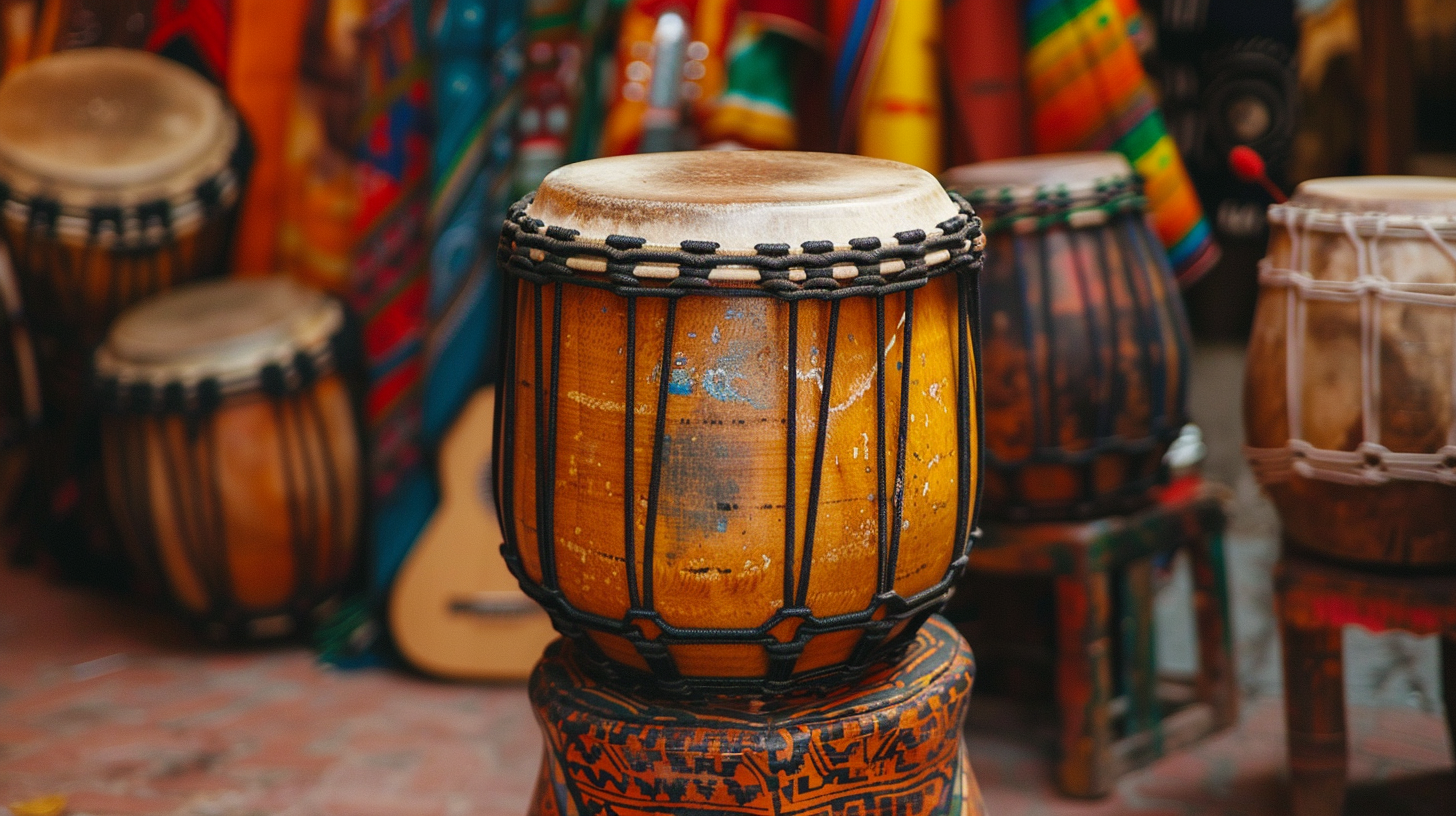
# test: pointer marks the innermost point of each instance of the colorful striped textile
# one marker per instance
(885, 80)
(477, 49)
(1087, 91)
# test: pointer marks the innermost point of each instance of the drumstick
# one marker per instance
(1248, 166)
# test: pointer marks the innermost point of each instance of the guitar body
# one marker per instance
(456, 610)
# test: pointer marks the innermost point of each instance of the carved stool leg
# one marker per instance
(1139, 653)
(1448, 685)
(1314, 706)
(1217, 683)
(1084, 683)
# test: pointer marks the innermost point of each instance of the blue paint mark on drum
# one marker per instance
(718, 382)
(680, 382)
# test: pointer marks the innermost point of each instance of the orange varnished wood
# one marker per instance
(719, 558)
(226, 494)
(720, 533)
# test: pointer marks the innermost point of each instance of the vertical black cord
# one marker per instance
(811, 513)
(655, 485)
(629, 443)
(791, 449)
(902, 435)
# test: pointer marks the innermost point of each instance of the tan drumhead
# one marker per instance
(100, 120)
(1026, 178)
(224, 329)
(1396, 195)
(741, 198)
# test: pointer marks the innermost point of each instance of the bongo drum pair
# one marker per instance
(120, 172)
(1350, 398)
(231, 451)
(1086, 343)
(738, 441)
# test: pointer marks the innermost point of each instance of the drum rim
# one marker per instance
(28, 169)
(1352, 194)
(186, 208)
(308, 330)
(767, 208)
(529, 247)
(962, 179)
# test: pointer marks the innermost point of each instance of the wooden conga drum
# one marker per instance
(231, 451)
(738, 441)
(1350, 398)
(119, 172)
(1086, 343)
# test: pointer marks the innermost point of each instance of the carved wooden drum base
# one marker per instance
(887, 744)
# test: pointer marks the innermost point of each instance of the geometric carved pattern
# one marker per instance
(889, 743)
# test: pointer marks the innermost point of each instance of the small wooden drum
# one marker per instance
(738, 437)
(119, 175)
(1086, 341)
(231, 450)
(1350, 416)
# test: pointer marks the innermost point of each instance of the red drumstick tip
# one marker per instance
(1248, 166)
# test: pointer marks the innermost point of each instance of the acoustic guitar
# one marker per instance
(455, 609)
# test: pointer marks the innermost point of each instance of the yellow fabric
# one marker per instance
(901, 118)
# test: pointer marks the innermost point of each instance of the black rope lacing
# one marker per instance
(536, 255)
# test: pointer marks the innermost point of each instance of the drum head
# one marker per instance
(741, 198)
(109, 119)
(225, 329)
(1025, 179)
(1395, 195)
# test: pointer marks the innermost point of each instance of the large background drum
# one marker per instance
(705, 471)
(120, 172)
(1086, 342)
(1351, 416)
(231, 451)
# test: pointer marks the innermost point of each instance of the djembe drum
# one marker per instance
(738, 453)
(231, 451)
(120, 173)
(1350, 398)
(1086, 342)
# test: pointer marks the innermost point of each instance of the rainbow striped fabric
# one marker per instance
(1088, 91)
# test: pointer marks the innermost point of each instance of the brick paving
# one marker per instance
(117, 707)
(120, 709)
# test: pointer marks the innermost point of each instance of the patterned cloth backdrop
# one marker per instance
(1087, 91)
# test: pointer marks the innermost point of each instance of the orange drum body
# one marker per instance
(1350, 401)
(738, 441)
(121, 171)
(231, 451)
(1086, 342)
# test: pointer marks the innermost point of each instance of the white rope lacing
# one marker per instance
(1371, 462)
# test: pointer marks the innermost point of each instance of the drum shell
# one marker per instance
(77, 283)
(720, 554)
(1086, 355)
(1398, 523)
(250, 512)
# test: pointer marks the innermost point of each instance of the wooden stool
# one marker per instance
(890, 743)
(1082, 559)
(1316, 600)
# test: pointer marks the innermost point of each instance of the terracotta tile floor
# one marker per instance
(118, 708)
